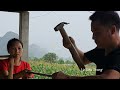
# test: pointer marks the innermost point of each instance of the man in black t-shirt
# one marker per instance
(110, 61)
(105, 27)
(96, 55)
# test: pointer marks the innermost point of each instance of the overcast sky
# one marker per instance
(41, 27)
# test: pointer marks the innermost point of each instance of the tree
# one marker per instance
(69, 62)
(50, 57)
(60, 61)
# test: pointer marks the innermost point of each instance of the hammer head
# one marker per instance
(60, 26)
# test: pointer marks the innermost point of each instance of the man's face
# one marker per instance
(101, 34)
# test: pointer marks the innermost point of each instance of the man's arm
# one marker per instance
(108, 74)
(81, 54)
(83, 57)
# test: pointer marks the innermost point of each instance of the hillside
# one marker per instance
(34, 50)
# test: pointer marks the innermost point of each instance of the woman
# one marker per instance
(14, 67)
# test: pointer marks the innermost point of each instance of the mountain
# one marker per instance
(4, 40)
(34, 50)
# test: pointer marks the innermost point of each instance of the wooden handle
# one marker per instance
(40, 74)
(73, 49)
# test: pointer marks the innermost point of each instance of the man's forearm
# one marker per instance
(75, 54)
(81, 54)
(77, 58)
(86, 77)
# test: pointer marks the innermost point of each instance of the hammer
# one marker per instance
(73, 50)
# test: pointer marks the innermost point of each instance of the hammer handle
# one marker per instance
(41, 74)
(73, 50)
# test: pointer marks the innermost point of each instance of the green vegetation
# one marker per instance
(51, 63)
(44, 67)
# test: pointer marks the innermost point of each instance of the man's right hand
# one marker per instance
(68, 45)
(60, 75)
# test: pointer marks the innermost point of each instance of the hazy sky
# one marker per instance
(41, 29)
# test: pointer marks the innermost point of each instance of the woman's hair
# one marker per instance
(106, 18)
(12, 41)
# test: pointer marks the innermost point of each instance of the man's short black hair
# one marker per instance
(106, 18)
(11, 42)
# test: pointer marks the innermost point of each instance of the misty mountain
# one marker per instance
(4, 40)
(34, 50)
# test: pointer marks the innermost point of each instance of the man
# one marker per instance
(105, 27)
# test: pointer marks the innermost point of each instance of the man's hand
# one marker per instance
(66, 44)
(59, 75)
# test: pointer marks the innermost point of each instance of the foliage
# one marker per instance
(60, 61)
(50, 57)
(41, 66)
(69, 62)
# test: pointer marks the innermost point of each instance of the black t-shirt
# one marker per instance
(111, 61)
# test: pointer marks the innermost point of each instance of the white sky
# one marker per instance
(41, 27)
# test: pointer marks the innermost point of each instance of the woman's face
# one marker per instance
(16, 49)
